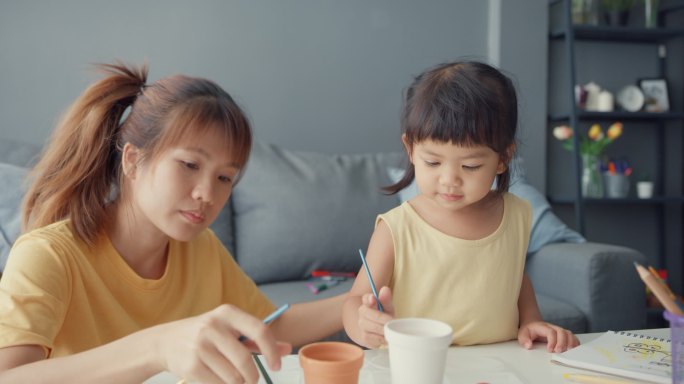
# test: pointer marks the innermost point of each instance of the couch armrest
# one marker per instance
(599, 279)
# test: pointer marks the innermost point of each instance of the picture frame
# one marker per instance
(655, 92)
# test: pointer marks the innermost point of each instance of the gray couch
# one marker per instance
(294, 212)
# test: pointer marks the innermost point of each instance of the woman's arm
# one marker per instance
(307, 322)
(204, 348)
(113, 362)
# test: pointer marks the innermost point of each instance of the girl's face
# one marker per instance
(184, 189)
(455, 176)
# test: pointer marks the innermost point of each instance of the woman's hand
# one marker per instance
(371, 321)
(207, 349)
(557, 339)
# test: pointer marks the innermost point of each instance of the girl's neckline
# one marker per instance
(488, 237)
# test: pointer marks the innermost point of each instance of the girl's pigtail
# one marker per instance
(406, 180)
(75, 174)
(409, 169)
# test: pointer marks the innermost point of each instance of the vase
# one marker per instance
(592, 183)
(651, 13)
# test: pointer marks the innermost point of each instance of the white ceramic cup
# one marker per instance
(645, 189)
(417, 350)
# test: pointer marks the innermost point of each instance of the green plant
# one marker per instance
(617, 5)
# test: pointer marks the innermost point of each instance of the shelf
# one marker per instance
(662, 45)
(621, 115)
(628, 200)
(620, 34)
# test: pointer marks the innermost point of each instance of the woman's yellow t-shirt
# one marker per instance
(58, 293)
(473, 285)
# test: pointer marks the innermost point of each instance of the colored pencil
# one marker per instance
(658, 288)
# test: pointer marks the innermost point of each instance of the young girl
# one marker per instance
(456, 252)
(119, 277)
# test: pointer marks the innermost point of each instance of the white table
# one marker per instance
(493, 363)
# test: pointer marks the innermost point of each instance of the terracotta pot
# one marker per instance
(331, 362)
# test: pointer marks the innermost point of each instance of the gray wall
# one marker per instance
(312, 74)
(518, 44)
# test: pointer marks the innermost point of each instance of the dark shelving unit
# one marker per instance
(569, 34)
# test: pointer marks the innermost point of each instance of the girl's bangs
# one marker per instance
(445, 125)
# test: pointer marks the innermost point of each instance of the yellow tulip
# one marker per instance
(595, 132)
(615, 130)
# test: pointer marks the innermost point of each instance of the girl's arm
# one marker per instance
(362, 320)
(527, 302)
(311, 321)
(204, 348)
(533, 327)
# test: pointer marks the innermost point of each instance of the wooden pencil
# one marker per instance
(656, 286)
(669, 291)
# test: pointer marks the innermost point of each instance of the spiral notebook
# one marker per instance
(625, 354)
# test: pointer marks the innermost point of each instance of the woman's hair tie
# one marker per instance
(143, 86)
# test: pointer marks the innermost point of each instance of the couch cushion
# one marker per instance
(299, 211)
(223, 227)
(296, 291)
(12, 180)
(18, 153)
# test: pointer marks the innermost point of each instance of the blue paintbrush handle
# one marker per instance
(372, 283)
(271, 317)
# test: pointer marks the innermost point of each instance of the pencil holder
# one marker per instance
(677, 337)
(616, 185)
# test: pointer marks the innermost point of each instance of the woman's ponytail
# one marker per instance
(75, 174)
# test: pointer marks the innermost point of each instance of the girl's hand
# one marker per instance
(557, 339)
(206, 348)
(372, 321)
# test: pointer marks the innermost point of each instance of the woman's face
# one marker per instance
(182, 191)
